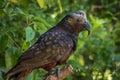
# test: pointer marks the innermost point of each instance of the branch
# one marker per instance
(63, 74)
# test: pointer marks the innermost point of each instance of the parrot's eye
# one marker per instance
(78, 20)
(81, 13)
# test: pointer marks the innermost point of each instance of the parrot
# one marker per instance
(52, 48)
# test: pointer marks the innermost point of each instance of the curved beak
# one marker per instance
(87, 26)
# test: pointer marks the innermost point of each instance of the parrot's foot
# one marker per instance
(59, 73)
(55, 72)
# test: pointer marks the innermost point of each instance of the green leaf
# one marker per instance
(29, 77)
(42, 3)
(25, 45)
(60, 6)
(42, 21)
(3, 42)
(8, 58)
(30, 34)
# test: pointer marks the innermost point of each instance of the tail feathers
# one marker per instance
(15, 76)
(20, 75)
(17, 72)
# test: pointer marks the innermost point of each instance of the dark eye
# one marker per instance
(81, 13)
(78, 20)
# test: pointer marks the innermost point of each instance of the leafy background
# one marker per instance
(97, 56)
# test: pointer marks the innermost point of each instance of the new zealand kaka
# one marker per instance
(53, 47)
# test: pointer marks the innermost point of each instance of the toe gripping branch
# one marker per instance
(60, 74)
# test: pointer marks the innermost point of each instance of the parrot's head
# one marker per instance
(77, 21)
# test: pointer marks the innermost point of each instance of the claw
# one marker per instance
(51, 72)
(58, 72)
(55, 72)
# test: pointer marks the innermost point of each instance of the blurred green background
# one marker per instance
(97, 56)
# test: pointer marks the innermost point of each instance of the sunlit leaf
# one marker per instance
(8, 58)
(42, 3)
(60, 6)
(14, 1)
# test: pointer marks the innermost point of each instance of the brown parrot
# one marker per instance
(53, 47)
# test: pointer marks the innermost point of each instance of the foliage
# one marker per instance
(97, 56)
